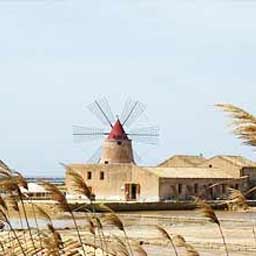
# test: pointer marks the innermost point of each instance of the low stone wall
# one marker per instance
(141, 206)
(152, 206)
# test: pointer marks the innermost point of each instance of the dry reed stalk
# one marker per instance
(113, 219)
(25, 214)
(76, 184)
(100, 229)
(4, 218)
(254, 233)
(209, 213)
(59, 197)
(36, 222)
(12, 204)
(166, 235)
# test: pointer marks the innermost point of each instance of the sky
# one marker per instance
(179, 57)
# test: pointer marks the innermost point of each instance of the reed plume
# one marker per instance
(3, 203)
(237, 198)
(139, 250)
(244, 124)
(179, 241)
(60, 198)
(10, 183)
(42, 213)
(120, 247)
(56, 236)
(76, 183)
(166, 235)
(5, 169)
(191, 251)
(209, 213)
(12, 204)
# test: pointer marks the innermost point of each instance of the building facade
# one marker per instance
(180, 178)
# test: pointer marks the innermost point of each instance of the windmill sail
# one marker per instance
(132, 111)
(101, 109)
(147, 135)
(117, 144)
(95, 158)
(85, 134)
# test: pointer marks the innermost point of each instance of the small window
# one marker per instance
(119, 143)
(210, 166)
(196, 188)
(89, 175)
(180, 188)
(106, 162)
(237, 186)
(101, 175)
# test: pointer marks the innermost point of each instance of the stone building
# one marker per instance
(129, 182)
(117, 178)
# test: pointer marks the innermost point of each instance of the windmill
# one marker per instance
(119, 136)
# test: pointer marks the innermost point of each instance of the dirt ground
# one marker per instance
(201, 234)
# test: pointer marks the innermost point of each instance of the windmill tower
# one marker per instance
(117, 146)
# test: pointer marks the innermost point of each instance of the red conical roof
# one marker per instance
(117, 132)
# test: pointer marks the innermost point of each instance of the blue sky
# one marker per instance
(178, 57)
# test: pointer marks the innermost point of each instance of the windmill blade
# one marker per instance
(95, 158)
(131, 112)
(146, 135)
(85, 134)
(101, 109)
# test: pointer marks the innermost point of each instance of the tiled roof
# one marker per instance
(191, 173)
(239, 160)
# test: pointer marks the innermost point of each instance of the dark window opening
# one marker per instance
(180, 188)
(237, 186)
(119, 143)
(210, 166)
(210, 190)
(89, 175)
(133, 191)
(196, 188)
(101, 175)
(106, 162)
